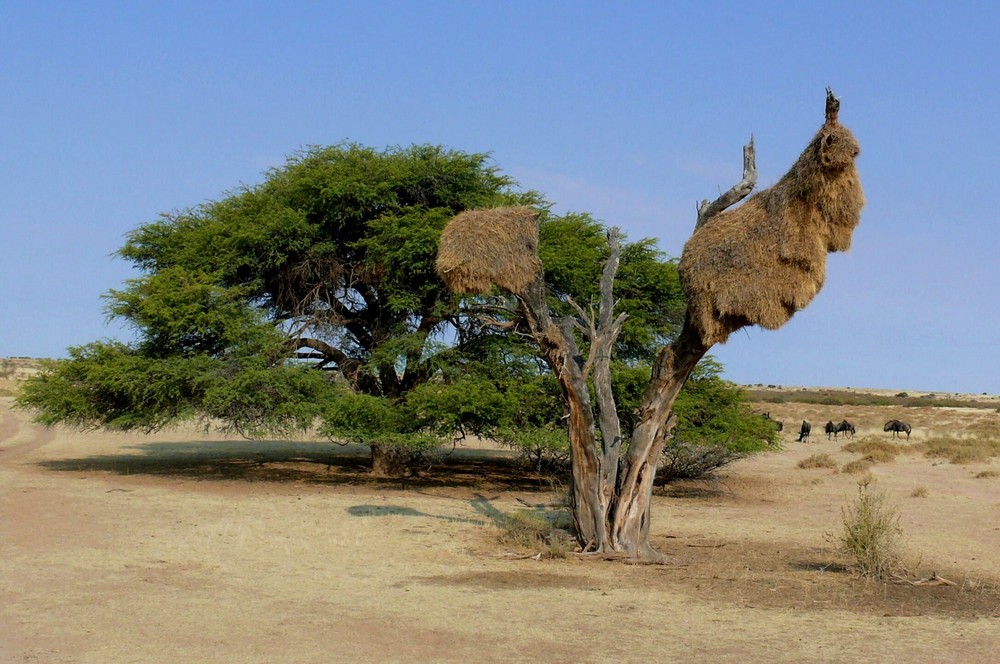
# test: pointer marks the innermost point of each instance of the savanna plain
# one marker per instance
(186, 546)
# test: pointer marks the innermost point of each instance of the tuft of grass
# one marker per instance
(538, 531)
(987, 474)
(920, 492)
(858, 466)
(977, 448)
(818, 461)
(870, 534)
(874, 449)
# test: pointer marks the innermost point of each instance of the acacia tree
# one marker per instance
(313, 295)
(280, 302)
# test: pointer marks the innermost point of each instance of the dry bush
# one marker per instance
(538, 531)
(920, 492)
(483, 248)
(987, 474)
(818, 461)
(759, 263)
(874, 449)
(870, 534)
(858, 466)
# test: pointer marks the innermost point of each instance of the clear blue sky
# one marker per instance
(113, 112)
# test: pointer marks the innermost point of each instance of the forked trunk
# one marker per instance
(629, 523)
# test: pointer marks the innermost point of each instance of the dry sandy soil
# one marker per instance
(185, 546)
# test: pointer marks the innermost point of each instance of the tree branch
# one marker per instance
(738, 192)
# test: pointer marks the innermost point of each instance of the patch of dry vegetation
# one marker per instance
(545, 533)
(857, 466)
(822, 460)
(977, 448)
(870, 534)
(849, 398)
(875, 450)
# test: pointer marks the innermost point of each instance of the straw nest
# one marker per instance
(761, 262)
(483, 248)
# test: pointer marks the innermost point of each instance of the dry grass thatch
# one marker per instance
(483, 248)
(761, 262)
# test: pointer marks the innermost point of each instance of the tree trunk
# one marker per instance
(391, 461)
(561, 354)
(629, 527)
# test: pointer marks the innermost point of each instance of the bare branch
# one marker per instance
(504, 325)
(832, 107)
(738, 192)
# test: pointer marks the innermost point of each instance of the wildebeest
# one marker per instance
(831, 430)
(897, 427)
(804, 431)
(845, 428)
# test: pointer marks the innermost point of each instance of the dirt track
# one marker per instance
(182, 547)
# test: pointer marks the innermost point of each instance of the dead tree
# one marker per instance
(612, 492)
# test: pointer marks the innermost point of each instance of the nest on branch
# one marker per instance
(759, 263)
(483, 248)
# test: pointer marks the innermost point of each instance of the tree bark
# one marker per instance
(561, 354)
(630, 517)
(391, 461)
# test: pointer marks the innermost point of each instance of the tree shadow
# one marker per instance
(310, 462)
(397, 510)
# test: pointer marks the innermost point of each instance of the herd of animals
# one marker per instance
(896, 427)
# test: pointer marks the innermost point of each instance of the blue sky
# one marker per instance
(114, 112)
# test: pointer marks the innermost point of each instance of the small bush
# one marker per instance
(873, 449)
(987, 474)
(540, 531)
(920, 492)
(871, 535)
(859, 466)
(818, 461)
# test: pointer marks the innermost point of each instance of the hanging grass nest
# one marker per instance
(759, 263)
(494, 247)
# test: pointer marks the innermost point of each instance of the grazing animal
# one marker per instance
(831, 430)
(804, 431)
(759, 263)
(845, 428)
(779, 423)
(897, 427)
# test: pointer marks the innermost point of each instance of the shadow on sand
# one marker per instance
(314, 462)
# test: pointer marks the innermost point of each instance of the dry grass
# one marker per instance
(832, 397)
(987, 474)
(977, 448)
(858, 466)
(759, 263)
(818, 461)
(874, 449)
(483, 248)
(919, 492)
(537, 531)
(870, 534)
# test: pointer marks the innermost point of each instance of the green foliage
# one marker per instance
(110, 385)
(331, 256)
(715, 426)
(573, 249)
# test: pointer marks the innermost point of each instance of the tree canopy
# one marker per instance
(313, 295)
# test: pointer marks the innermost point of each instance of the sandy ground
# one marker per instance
(184, 547)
